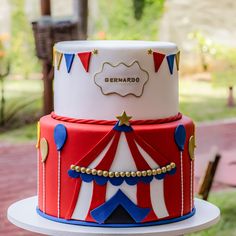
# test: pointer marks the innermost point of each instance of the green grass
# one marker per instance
(23, 107)
(23, 101)
(203, 102)
(198, 99)
(226, 226)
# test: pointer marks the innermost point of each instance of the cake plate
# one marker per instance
(23, 214)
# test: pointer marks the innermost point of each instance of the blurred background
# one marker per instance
(205, 32)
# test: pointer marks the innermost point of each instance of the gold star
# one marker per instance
(95, 51)
(149, 51)
(124, 119)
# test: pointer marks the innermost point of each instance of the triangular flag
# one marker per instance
(177, 59)
(69, 60)
(158, 58)
(58, 57)
(170, 60)
(85, 59)
(53, 55)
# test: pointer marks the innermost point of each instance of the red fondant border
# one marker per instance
(113, 122)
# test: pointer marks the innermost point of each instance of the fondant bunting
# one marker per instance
(38, 135)
(69, 60)
(85, 59)
(58, 58)
(177, 57)
(158, 59)
(170, 60)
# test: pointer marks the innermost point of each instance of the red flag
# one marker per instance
(85, 59)
(158, 58)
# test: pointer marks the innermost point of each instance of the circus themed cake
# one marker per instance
(116, 151)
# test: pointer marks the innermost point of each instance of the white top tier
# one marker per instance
(121, 76)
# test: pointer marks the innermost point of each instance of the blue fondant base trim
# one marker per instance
(92, 224)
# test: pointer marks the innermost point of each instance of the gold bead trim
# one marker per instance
(116, 174)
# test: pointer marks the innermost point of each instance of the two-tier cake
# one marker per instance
(115, 152)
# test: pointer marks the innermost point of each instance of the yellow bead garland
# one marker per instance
(111, 174)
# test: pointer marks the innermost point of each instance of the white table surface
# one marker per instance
(23, 214)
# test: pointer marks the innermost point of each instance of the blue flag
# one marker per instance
(69, 60)
(170, 60)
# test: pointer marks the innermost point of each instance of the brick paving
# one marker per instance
(18, 168)
(17, 181)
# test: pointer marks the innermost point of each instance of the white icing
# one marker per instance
(83, 202)
(100, 156)
(128, 190)
(158, 199)
(147, 158)
(76, 94)
(123, 160)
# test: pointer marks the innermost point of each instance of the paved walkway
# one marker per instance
(18, 168)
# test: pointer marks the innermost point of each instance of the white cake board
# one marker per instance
(23, 214)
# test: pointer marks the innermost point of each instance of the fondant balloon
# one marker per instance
(38, 134)
(180, 137)
(60, 136)
(43, 149)
(191, 147)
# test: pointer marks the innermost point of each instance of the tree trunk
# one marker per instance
(231, 97)
(47, 69)
(81, 14)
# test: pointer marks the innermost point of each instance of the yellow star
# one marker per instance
(124, 119)
(149, 51)
(95, 51)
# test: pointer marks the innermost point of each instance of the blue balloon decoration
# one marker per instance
(60, 136)
(180, 137)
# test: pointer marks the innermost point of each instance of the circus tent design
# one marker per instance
(131, 185)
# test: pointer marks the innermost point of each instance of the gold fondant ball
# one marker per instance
(105, 173)
(127, 174)
(133, 173)
(122, 174)
(168, 167)
(144, 173)
(117, 174)
(139, 173)
(88, 171)
(163, 169)
(111, 174)
(172, 165)
(154, 172)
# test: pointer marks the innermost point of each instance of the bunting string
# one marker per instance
(85, 58)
